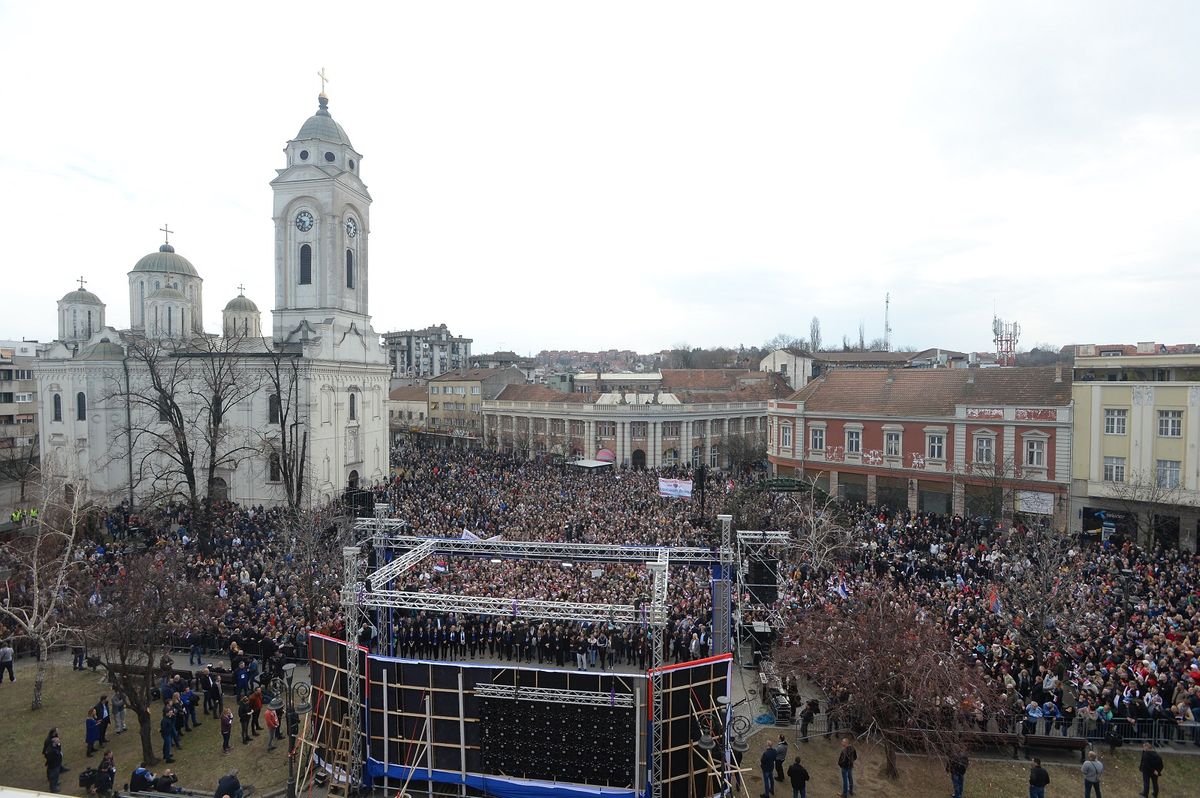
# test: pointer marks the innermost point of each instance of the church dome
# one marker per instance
(104, 350)
(165, 260)
(168, 293)
(241, 304)
(321, 126)
(82, 297)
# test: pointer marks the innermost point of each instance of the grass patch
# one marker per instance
(68, 695)
(992, 777)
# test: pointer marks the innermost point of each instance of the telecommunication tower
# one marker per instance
(1005, 337)
(887, 327)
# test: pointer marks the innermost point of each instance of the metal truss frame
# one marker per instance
(588, 698)
(351, 602)
(754, 546)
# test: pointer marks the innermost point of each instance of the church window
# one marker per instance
(351, 162)
(304, 155)
(353, 407)
(142, 302)
(57, 407)
(274, 468)
(80, 407)
(306, 265)
(329, 157)
(170, 320)
(349, 268)
(273, 409)
(74, 323)
(89, 324)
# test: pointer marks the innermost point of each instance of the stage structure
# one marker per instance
(758, 575)
(446, 722)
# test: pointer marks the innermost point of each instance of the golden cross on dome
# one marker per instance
(81, 282)
(167, 232)
(324, 80)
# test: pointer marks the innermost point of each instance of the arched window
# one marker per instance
(274, 467)
(349, 268)
(80, 407)
(89, 326)
(170, 325)
(273, 409)
(57, 407)
(142, 302)
(74, 323)
(353, 407)
(306, 265)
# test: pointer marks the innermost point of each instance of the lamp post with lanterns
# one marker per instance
(292, 697)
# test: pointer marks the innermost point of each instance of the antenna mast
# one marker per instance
(887, 327)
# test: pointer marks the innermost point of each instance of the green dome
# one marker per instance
(321, 126)
(104, 350)
(168, 293)
(81, 297)
(166, 261)
(241, 304)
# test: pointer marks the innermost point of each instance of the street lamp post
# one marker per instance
(294, 702)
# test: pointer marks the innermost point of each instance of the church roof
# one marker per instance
(321, 126)
(81, 296)
(165, 260)
(104, 350)
(241, 304)
(167, 292)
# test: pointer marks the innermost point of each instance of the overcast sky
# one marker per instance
(630, 175)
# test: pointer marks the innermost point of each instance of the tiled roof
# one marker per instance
(467, 374)
(864, 357)
(410, 393)
(932, 392)
(540, 393)
(701, 379)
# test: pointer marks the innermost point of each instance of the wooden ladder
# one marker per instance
(339, 761)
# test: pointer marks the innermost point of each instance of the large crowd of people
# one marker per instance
(1131, 654)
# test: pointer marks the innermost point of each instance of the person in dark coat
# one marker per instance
(1151, 767)
(767, 764)
(92, 732)
(54, 761)
(229, 786)
(166, 729)
(1038, 779)
(798, 776)
(956, 766)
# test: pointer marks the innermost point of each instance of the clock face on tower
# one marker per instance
(304, 221)
(351, 227)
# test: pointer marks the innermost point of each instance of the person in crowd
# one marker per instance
(52, 751)
(166, 781)
(1092, 769)
(956, 766)
(91, 731)
(229, 786)
(766, 763)
(118, 711)
(781, 749)
(271, 719)
(166, 730)
(142, 779)
(798, 777)
(6, 661)
(226, 730)
(1039, 779)
(845, 761)
(106, 776)
(1151, 767)
(245, 713)
(103, 718)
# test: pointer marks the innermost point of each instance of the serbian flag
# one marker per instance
(994, 601)
(729, 486)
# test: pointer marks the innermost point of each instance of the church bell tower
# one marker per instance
(322, 224)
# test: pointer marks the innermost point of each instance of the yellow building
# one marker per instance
(1136, 463)
(456, 401)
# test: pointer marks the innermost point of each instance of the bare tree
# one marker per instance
(862, 337)
(181, 394)
(822, 535)
(1143, 495)
(287, 417)
(745, 450)
(134, 608)
(45, 580)
(998, 480)
(814, 334)
(1036, 590)
(893, 669)
(20, 464)
(784, 341)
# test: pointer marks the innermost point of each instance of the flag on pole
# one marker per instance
(994, 602)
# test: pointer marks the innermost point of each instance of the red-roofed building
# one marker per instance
(968, 441)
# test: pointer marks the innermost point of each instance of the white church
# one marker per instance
(94, 433)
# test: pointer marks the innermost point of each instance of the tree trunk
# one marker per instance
(890, 770)
(39, 678)
(144, 723)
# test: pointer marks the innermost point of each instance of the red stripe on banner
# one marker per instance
(693, 663)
